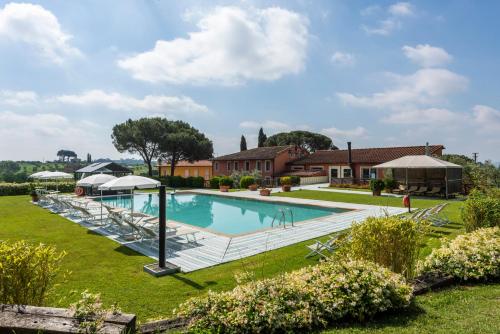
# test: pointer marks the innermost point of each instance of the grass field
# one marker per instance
(101, 265)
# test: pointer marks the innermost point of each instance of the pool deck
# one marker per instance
(211, 249)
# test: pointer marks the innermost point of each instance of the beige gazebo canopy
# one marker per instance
(452, 172)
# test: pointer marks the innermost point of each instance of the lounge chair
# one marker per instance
(401, 189)
(412, 189)
(421, 191)
(320, 248)
(434, 191)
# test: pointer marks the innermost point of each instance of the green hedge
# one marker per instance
(481, 210)
(12, 189)
(183, 182)
(214, 182)
(246, 181)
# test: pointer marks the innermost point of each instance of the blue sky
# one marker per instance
(377, 73)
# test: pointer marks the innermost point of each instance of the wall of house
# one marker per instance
(340, 168)
(223, 170)
(186, 171)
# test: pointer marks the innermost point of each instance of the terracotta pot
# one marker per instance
(252, 187)
(224, 189)
(286, 187)
(376, 192)
(265, 192)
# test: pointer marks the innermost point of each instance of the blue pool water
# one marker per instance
(226, 215)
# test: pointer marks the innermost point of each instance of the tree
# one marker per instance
(64, 155)
(183, 142)
(307, 140)
(142, 136)
(262, 138)
(89, 158)
(243, 143)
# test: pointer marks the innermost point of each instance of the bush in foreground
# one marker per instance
(246, 181)
(481, 210)
(27, 272)
(214, 182)
(472, 256)
(392, 242)
(300, 300)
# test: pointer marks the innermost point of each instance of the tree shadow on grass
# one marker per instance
(393, 319)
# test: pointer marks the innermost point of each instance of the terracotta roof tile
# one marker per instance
(184, 163)
(365, 155)
(255, 153)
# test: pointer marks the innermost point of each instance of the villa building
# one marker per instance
(187, 169)
(354, 165)
(270, 161)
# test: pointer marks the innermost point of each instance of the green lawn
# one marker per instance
(101, 265)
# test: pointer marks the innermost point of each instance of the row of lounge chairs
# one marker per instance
(127, 225)
(415, 190)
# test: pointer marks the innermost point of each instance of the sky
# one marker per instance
(376, 73)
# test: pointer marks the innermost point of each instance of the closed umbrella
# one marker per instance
(94, 181)
(130, 182)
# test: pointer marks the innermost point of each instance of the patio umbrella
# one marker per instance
(130, 182)
(96, 180)
(56, 176)
(39, 176)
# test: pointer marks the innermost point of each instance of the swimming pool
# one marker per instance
(220, 214)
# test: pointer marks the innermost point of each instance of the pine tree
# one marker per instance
(243, 143)
(262, 138)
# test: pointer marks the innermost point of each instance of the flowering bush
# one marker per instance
(481, 210)
(392, 242)
(300, 300)
(472, 256)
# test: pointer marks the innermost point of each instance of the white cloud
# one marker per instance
(272, 126)
(18, 98)
(430, 116)
(36, 26)
(343, 59)
(426, 55)
(393, 21)
(401, 9)
(357, 132)
(231, 47)
(117, 101)
(425, 86)
(487, 118)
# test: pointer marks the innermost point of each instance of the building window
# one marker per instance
(186, 173)
(316, 168)
(228, 166)
(216, 166)
(236, 165)
(247, 165)
(368, 173)
(258, 165)
(347, 172)
(334, 173)
(297, 167)
(268, 165)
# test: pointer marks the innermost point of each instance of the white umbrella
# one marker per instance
(130, 182)
(96, 180)
(38, 175)
(56, 176)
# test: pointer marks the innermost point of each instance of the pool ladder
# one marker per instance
(281, 213)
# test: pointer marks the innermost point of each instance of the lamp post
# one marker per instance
(162, 226)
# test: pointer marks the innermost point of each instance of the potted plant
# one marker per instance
(34, 196)
(265, 192)
(248, 182)
(286, 183)
(253, 187)
(376, 186)
(390, 185)
(225, 183)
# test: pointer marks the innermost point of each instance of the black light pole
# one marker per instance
(162, 225)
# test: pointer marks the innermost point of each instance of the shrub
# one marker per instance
(198, 182)
(471, 256)
(347, 185)
(246, 181)
(12, 189)
(390, 184)
(27, 272)
(214, 182)
(392, 242)
(300, 300)
(295, 180)
(90, 313)
(226, 181)
(286, 181)
(377, 185)
(481, 210)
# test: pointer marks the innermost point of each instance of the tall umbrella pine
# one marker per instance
(142, 136)
(183, 142)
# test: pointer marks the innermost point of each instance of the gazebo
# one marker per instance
(424, 170)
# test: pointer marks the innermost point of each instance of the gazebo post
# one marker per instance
(446, 180)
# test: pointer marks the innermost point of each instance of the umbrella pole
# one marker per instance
(162, 226)
(101, 206)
